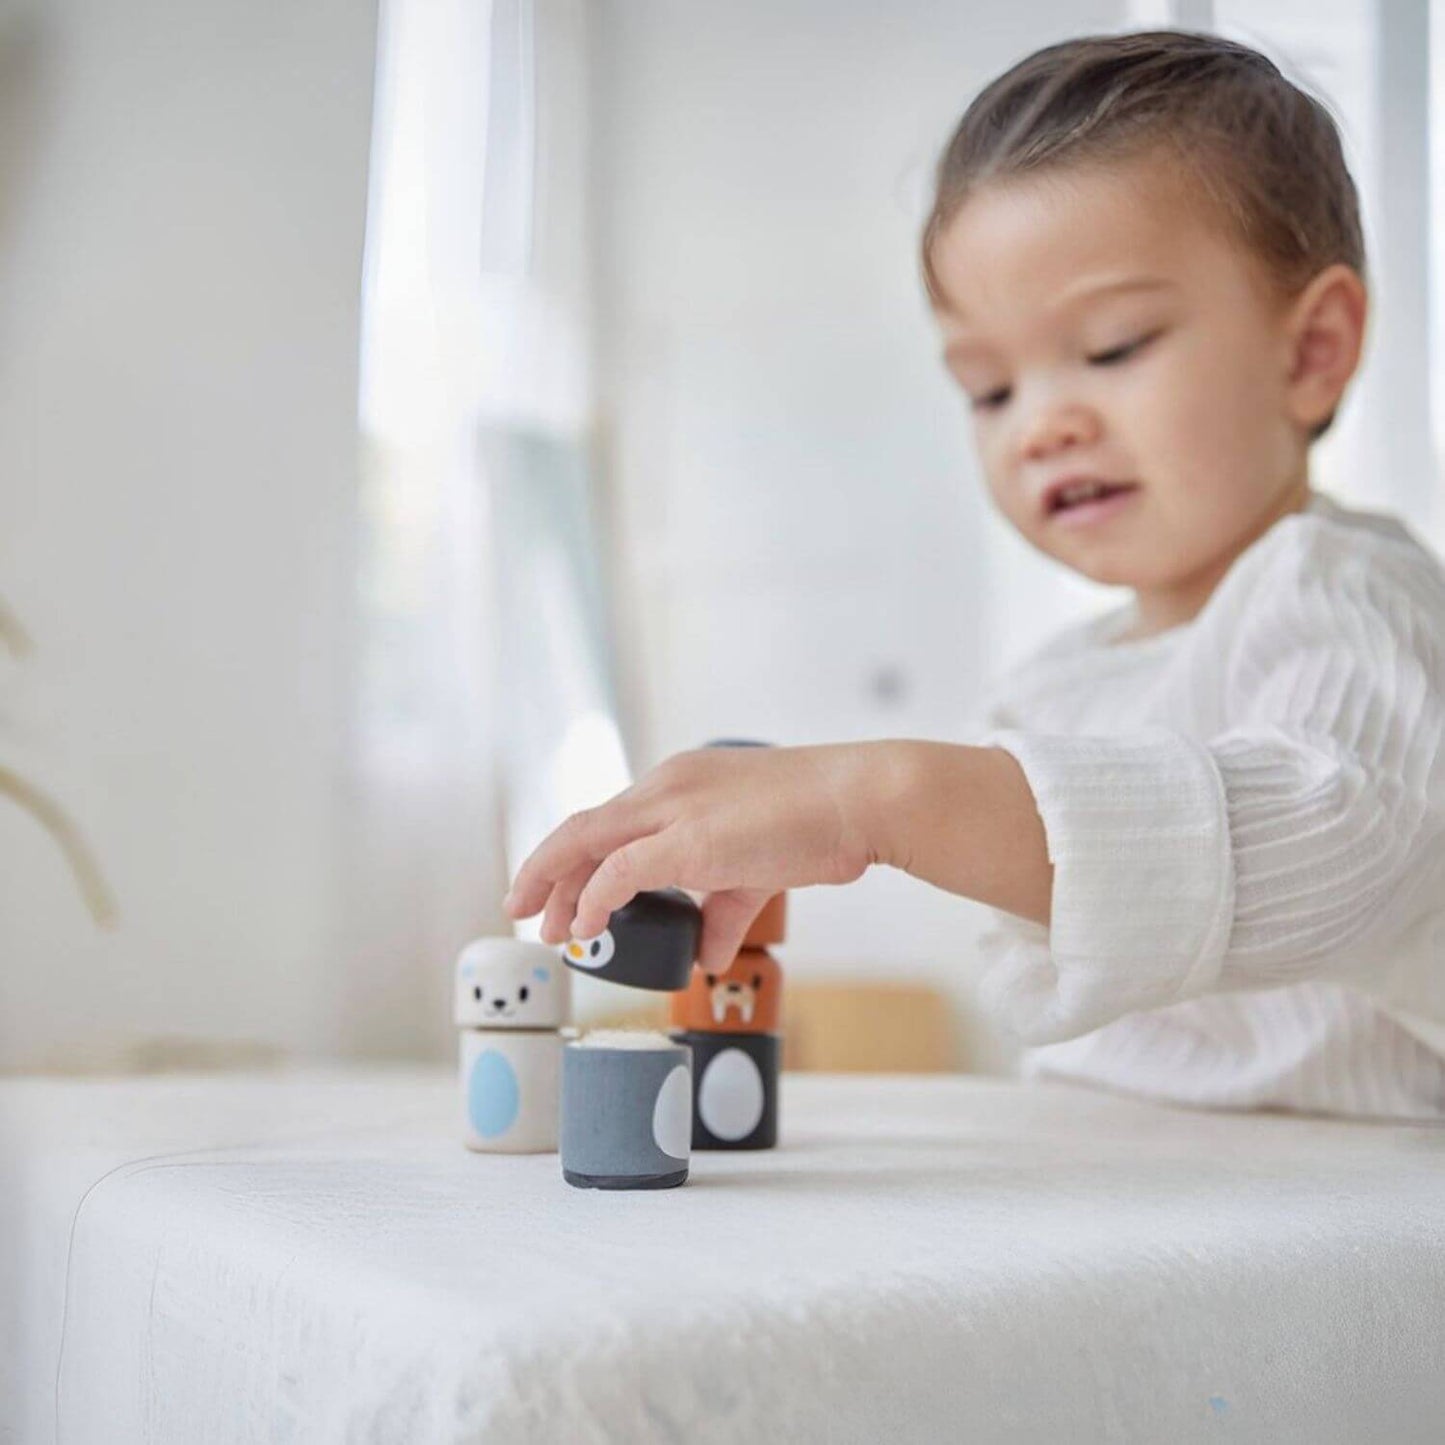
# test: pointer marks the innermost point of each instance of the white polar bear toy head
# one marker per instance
(509, 983)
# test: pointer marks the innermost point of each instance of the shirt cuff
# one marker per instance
(1143, 894)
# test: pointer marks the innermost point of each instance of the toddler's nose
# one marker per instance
(1057, 424)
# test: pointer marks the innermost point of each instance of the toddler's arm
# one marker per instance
(1303, 838)
(742, 824)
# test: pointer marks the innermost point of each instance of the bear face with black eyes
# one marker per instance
(510, 983)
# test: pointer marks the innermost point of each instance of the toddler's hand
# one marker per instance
(738, 824)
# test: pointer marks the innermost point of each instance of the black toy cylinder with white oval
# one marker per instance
(626, 1111)
(735, 1089)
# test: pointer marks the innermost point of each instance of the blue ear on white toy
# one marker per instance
(541, 975)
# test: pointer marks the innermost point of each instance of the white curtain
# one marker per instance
(475, 412)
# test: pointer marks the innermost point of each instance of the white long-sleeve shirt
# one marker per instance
(1246, 818)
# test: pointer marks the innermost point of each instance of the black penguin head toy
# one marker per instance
(650, 942)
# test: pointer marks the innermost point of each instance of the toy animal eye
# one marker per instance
(757, 980)
(711, 979)
(590, 952)
(477, 993)
(522, 994)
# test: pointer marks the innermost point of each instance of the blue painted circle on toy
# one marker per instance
(493, 1097)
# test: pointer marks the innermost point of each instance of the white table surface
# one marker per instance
(315, 1258)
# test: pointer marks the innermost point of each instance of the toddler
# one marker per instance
(1208, 823)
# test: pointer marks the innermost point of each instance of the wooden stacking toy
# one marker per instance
(627, 1097)
(746, 997)
(648, 943)
(730, 1021)
(735, 1101)
(626, 1110)
(512, 1001)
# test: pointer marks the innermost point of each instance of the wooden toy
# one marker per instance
(512, 998)
(730, 1020)
(770, 926)
(745, 998)
(626, 1111)
(648, 943)
(510, 1089)
(736, 1089)
(510, 983)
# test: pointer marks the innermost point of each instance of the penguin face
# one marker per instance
(594, 952)
(510, 983)
(650, 942)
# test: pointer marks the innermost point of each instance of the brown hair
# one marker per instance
(1265, 152)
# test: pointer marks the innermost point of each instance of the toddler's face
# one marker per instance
(1106, 332)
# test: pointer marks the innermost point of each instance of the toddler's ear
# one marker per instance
(1326, 330)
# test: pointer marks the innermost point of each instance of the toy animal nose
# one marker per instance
(499, 1003)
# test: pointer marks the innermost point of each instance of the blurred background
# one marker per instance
(416, 420)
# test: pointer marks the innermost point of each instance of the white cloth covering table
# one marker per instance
(315, 1258)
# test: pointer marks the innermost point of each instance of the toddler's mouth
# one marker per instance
(1081, 497)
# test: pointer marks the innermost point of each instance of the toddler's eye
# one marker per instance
(1116, 354)
(991, 400)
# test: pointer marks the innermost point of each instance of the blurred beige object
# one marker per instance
(875, 1027)
(845, 1027)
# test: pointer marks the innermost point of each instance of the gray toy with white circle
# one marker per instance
(512, 1000)
(626, 1111)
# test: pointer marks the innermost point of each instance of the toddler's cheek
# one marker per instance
(1011, 501)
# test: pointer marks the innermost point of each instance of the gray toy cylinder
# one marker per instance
(626, 1115)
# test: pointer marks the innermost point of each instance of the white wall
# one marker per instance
(802, 549)
(182, 199)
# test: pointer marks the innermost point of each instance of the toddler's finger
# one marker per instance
(562, 905)
(726, 918)
(585, 837)
(638, 865)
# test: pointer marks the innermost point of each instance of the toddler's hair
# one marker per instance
(1264, 152)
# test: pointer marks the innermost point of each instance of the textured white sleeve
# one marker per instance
(1300, 841)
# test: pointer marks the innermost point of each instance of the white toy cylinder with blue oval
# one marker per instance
(511, 1081)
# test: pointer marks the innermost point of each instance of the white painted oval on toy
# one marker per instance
(731, 1096)
(672, 1114)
